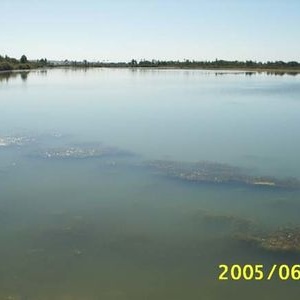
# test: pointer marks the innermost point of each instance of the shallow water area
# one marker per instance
(84, 217)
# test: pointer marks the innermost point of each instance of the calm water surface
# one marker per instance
(110, 228)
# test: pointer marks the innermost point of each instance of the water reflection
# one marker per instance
(23, 75)
(250, 73)
(281, 73)
(6, 76)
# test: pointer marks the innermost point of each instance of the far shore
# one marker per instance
(277, 67)
(291, 71)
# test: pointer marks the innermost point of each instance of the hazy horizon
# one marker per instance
(169, 30)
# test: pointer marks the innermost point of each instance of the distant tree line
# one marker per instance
(216, 64)
(8, 63)
(192, 64)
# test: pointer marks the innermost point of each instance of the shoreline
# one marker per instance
(250, 70)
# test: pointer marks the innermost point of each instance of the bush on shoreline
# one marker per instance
(5, 66)
(9, 63)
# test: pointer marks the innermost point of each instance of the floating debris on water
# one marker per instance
(77, 252)
(81, 152)
(9, 141)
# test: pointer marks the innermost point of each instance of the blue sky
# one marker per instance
(118, 30)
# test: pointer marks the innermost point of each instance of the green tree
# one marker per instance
(23, 59)
(133, 63)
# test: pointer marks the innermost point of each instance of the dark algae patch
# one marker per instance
(284, 239)
(217, 173)
(281, 240)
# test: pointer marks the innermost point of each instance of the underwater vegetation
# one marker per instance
(284, 239)
(202, 171)
(218, 173)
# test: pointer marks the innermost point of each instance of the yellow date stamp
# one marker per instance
(259, 272)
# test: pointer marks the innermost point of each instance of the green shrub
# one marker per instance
(5, 66)
(23, 66)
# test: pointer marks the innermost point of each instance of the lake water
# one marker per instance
(110, 227)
